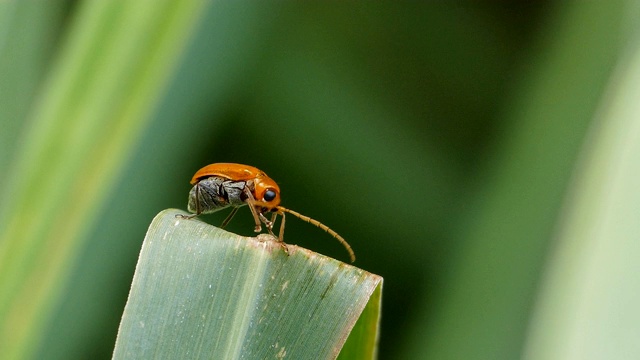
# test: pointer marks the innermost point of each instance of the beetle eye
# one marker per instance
(269, 195)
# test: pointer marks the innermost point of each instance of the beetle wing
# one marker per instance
(228, 171)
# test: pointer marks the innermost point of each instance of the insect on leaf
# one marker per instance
(200, 292)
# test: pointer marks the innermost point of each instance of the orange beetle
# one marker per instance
(218, 186)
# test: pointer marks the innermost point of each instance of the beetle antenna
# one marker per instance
(323, 227)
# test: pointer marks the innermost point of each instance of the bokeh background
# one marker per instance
(446, 142)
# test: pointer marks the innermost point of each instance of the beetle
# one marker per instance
(221, 185)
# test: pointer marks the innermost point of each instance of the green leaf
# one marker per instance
(483, 310)
(588, 306)
(362, 342)
(88, 116)
(202, 292)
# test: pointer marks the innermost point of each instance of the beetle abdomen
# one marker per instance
(215, 193)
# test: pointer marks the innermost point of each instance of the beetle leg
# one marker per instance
(251, 201)
(281, 235)
(273, 221)
(268, 223)
(256, 218)
(229, 217)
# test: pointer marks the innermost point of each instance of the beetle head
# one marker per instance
(267, 192)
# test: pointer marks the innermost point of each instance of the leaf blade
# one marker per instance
(199, 291)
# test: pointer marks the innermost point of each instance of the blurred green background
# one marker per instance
(441, 140)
